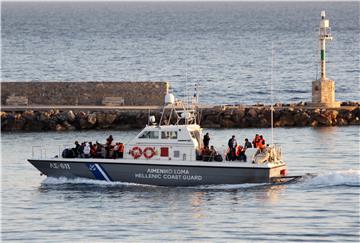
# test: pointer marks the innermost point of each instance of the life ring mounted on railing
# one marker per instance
(149, 152)
(136, 152)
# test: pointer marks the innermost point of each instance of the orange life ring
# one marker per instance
(149, 152)
(136, 152)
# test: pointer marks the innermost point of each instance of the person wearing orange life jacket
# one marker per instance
(261, 144)
(256, 141)
(238, 150)
(121, 150)
(240, 153)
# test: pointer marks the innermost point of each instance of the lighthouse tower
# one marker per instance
(323, 89)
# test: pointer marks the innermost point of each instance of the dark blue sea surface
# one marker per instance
(226, 47)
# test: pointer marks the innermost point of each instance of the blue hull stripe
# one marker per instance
(103, 172)
(98, 172)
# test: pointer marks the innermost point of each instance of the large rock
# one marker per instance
(62, 116)
(70, 116)
(110, 118)
(227, 123)
(210, 119)
(252, 112)
(331, 114)
(29, 115)
(44, 117)
(34, 125)
(264, 123)
(314, 123)
(83, 120)
(356, 112)
(60, 128)
(322, 120)
(355, 121)
(92, 118)
(106, 120)
(286, 119)
(302, 118)
(341, 122)
(345, 114)
(19, 122)
(8, 124)
(68, 126)
(101, 119)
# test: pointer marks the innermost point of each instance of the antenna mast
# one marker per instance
(271, 92)
(324, 35)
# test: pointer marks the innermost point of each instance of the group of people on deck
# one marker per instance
(208, 153)
(235, 150)
(96, 150)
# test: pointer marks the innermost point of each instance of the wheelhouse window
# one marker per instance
(169, 135)
(150, 135)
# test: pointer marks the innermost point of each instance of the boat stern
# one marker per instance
(278, 170)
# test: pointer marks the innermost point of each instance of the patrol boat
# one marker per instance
(168, 153)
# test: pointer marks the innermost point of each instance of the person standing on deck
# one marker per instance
(206, 140)
(232, 147)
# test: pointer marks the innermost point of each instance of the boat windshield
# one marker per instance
(150, 134)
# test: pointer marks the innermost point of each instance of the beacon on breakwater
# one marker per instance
(323, 89)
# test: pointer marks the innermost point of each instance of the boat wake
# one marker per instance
(84, 181)
(336, 178)
(327, 179)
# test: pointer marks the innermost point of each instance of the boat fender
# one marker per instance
(136, 152)
(149, 152)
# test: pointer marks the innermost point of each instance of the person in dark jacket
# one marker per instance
(76, 150)
(232, 148)
(206, 140)
(247, 143)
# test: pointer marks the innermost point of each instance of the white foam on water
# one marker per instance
(335, 178)
(63, 180)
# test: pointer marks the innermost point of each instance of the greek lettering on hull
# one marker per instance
(168, 174)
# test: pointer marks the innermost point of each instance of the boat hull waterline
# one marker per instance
(165, 174)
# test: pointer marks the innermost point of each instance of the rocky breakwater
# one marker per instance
(284, 116)
(56, 120)
(213, 117)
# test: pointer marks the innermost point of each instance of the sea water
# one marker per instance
(226, 49)
(320, 208)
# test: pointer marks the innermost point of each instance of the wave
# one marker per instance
(335, 178)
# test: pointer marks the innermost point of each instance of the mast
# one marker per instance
(271, 92)
(324, 35)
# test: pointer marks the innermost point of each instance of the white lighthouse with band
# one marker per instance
(323, 89)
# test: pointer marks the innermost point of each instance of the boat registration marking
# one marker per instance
(60, 166)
